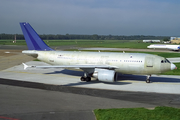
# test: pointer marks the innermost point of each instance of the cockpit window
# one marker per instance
(165, 61)
(168, 61)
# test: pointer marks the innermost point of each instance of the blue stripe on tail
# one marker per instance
(34, 42)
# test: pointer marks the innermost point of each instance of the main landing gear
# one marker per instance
(87, 79)
(148, 79)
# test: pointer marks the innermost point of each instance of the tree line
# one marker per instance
(4, 36)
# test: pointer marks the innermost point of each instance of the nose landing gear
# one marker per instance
(148, 79)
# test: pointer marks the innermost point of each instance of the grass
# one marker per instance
(159, 113)
(36, 60)
(162, 54)
(136, 44)
(114, 44)
(10, 42)
(87, 43)
(173, 72)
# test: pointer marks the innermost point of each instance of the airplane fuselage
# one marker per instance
(126, 63)
(163, 46)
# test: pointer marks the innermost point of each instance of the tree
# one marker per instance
(166, 39)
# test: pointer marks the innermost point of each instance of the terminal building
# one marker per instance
(175, 40)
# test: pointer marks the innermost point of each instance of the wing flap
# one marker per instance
(71, 66)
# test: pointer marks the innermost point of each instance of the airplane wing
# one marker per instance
(71, 66)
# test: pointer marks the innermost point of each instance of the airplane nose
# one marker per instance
(173, 66)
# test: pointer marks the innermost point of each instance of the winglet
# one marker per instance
(25, 66)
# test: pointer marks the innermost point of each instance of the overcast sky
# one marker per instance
(102, 17)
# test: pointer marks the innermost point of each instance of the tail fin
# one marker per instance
(33, 41)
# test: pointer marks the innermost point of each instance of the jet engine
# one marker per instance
(105, 75)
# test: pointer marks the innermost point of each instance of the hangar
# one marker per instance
(175, 40)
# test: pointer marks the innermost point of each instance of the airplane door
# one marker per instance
(149, 61)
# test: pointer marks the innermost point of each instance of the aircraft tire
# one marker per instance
(82, 78)
(148, 81)
(88, 79)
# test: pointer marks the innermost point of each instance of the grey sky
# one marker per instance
(102, 17)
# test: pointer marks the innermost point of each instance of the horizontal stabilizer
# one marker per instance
(25, 66)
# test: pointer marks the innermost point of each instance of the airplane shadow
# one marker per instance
(95, 82)
(143, 78)
(68, 72)
(81, 73)
(121, 77)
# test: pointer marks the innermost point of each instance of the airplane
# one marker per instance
(104, 66)
(161, 46)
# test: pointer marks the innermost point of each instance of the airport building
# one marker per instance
(175, 40)
(151, 41)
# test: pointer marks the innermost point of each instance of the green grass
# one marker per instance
(10, 42)
(159, 113)
(162, 54)
(100, 43)
(173, 72)
(36, 60)
(87, 43)
(136, 44)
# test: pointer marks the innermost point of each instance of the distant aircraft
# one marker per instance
(161, 46)
(101, 65)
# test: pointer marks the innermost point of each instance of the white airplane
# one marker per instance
(161, 46)
(101, 65)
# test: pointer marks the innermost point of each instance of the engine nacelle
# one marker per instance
(105, 75)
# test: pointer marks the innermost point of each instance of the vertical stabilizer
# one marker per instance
(33, 41)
